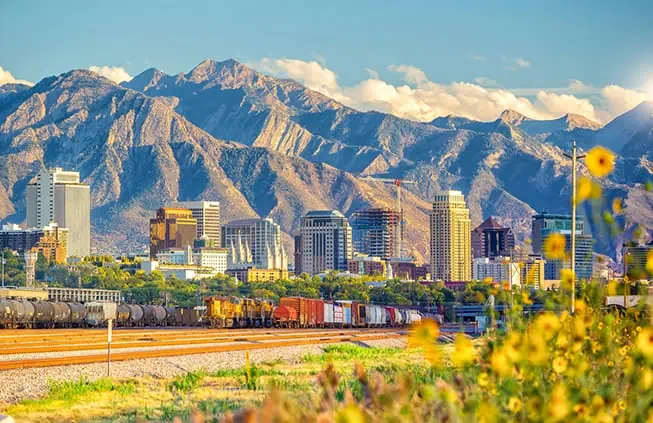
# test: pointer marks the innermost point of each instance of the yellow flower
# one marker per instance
(646, 380)
(559, 365)
(567, 278)
(600, 161)
(558, 405)
(644, 342)
(547, 324)
(617, 205)
(425, 333)
(501, 363)
(483, 380)
(554, 246)
(350, 414)
(525, 298)
(464, 352)
(649, 262)
(587, 189)
(514, 405)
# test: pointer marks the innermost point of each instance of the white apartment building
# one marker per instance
(499, 270)
(58, 196)
(254, 243)
(213, 258)
(326, 241)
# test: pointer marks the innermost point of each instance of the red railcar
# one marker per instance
(317, 307)
(391, 316)
(310, 312)
(285, 317)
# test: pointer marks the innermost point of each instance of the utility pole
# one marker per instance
(3, 269)
(574, 160)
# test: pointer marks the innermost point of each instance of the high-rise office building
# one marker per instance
(172, 228)
(57, 196)
(451, 249)
(298, 254)
(545, 224)
(635, 258)
(532, 272)
(325, 241)
(254, 243)
(498, 270)
(375, 232)
(207, 214)
(491, 240)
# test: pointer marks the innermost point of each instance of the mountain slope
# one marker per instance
(137, 154)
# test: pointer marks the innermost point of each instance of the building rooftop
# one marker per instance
(247, 222)
(324, 213)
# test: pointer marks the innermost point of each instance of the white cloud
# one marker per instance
(484, 81)
(522, 63)
(478, 58)
(7, 78)
(372, 73)
(114, 73)
(419, 98)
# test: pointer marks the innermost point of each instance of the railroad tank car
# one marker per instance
(285, 317)
(61, 315)
(159, 315)
(77, 314)
(148, 314)
(44, 314)
(6, 314)
(171, 317)
(122, 315)
(23, 313)
(136, 315)
(98, 313)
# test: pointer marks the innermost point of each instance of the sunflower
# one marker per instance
(560, 365)
(425, 333)
(464, 352)
(649, 261)
(554, 246)
(644, 342)
(514, 405)
(600, 161)
(586, 188)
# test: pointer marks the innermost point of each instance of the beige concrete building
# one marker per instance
(57, 196)
(451, 244)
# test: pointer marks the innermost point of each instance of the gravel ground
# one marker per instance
(20, 384)
(103, 352)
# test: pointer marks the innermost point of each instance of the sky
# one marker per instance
(416, 59)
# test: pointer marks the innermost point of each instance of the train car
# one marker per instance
(374, 316)
(43, 314)
(98, 313)
(136, 315)
(328, 307)
(310, 312)
(61, 316)
(122, 315)
(159, 315)
(223, 312)
(346, 314)
(338, 315)
(318, 307)
(257, 312)
(411, 317)
(285, 317)
(171, 317)
(77, 314)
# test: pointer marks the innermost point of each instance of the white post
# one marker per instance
(109, 335)
(399, 221)
(573, 226)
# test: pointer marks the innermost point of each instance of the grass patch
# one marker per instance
(187, 382)
(348, 352)
(70, 390)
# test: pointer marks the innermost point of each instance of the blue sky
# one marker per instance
(597, 42)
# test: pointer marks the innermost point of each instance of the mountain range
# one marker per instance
(265, 146)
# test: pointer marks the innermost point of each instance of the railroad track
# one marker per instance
(179, 339)
(298, 340)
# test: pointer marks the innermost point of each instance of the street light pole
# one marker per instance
(574, 160)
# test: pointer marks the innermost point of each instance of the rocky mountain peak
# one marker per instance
(512, 117)
(579, 121)
(228, 70)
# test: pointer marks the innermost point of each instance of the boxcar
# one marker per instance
(329, 320)
(338, 318)
(285, 317)
(346, 314)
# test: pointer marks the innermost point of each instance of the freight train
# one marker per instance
(220, 312)
(299, 312)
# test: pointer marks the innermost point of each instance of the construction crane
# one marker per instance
(400, 220)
